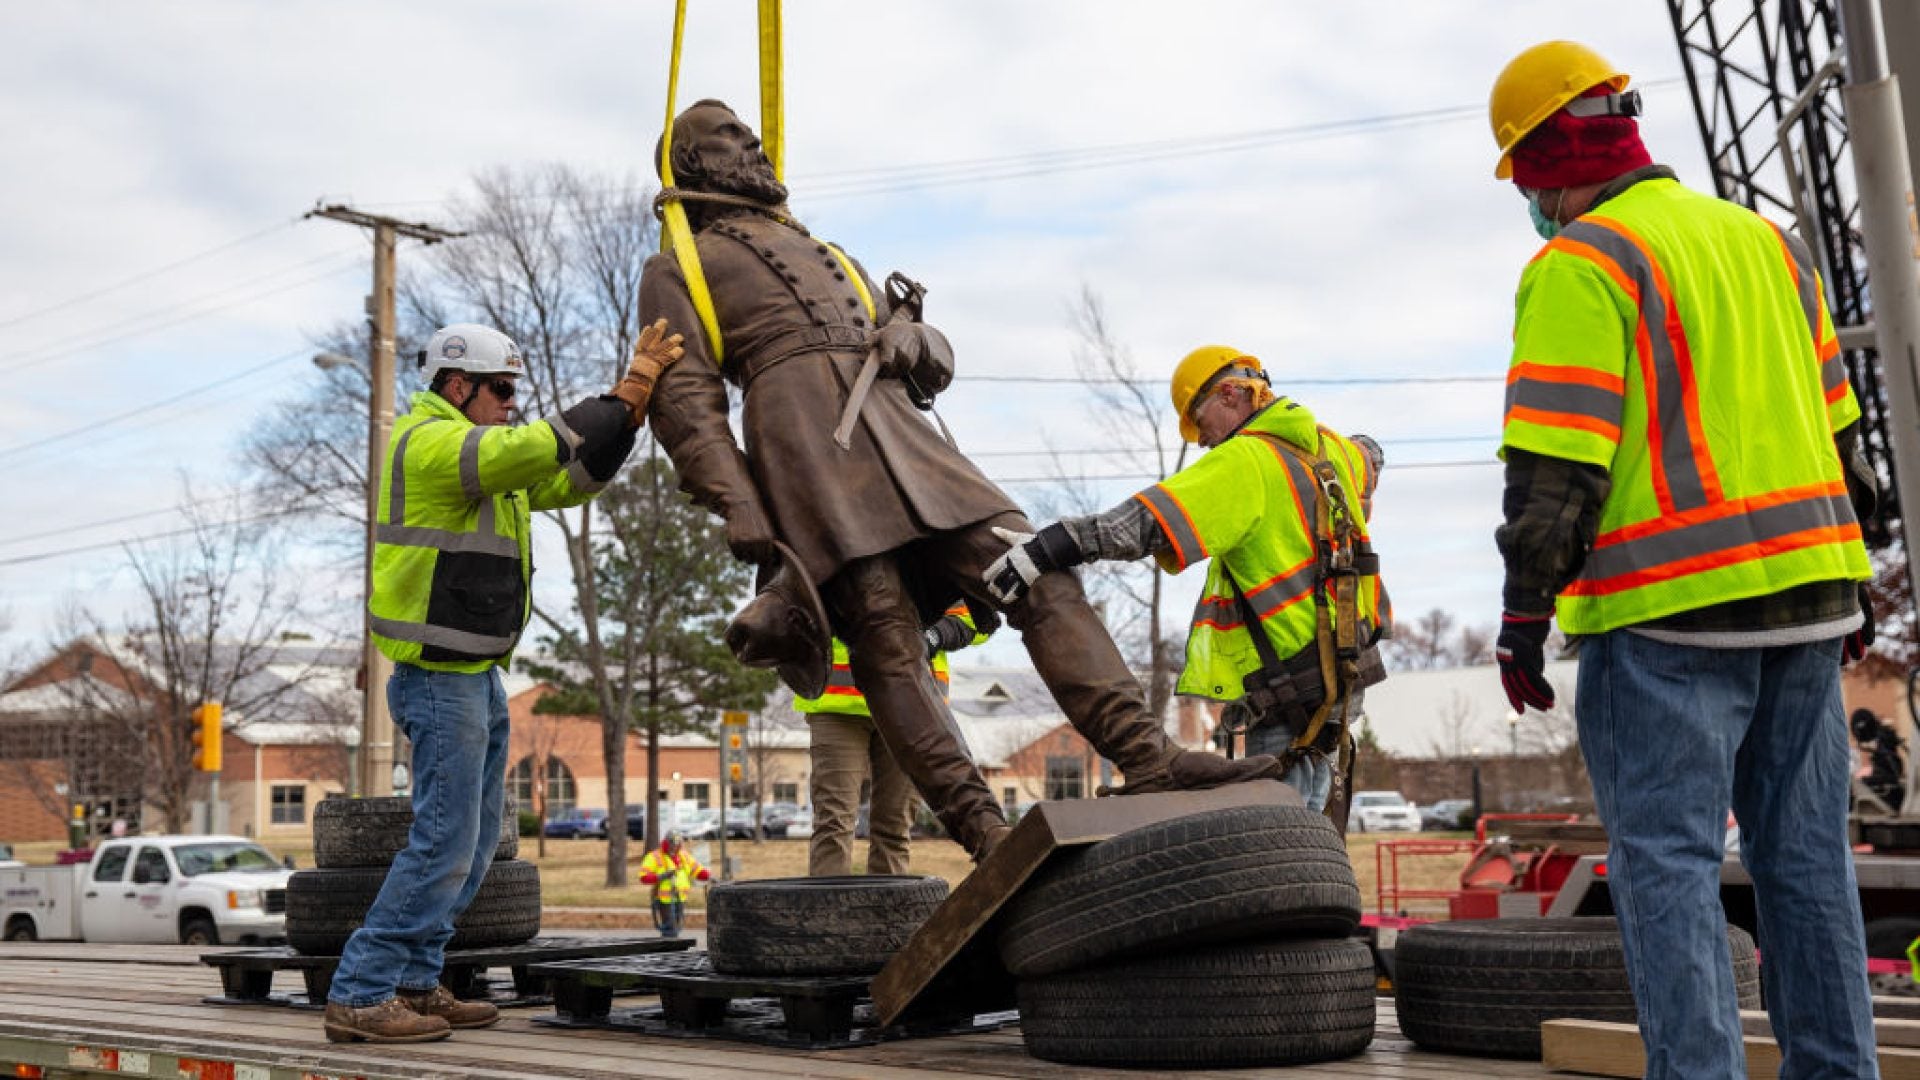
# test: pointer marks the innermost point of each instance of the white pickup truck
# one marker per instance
(198, 890)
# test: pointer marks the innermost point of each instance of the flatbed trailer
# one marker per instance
(78, 1010)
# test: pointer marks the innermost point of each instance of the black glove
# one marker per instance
(949, 633)
(1521, 650)
(1853, 647)
(1031, 555)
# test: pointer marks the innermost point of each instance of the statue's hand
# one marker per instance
(750, 536)
(918, 352)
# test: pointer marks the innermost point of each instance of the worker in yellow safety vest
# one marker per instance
(845, 752)
(1683, 491)
(452, 571)
(671, 871)
(1279, 504)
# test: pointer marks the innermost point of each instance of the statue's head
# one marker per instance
(715, 151)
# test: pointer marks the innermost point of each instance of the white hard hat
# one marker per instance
(472, 348)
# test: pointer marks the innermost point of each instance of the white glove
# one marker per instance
(1028, 556)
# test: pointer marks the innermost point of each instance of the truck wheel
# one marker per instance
(1277, 1002)
(199, 932)
(325, 907)
(816, 926)
(370, 832)
(20, 928)
(1484, 986)
(1245, 873)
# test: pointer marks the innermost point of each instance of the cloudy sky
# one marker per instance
(1309, 182)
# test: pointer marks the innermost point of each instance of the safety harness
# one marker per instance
(1343, 558)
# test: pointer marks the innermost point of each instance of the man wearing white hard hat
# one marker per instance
(451, 594)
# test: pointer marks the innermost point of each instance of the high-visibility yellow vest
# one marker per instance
(1683, 344)
(451, 563)
(1248, 505)
(843, 697)
(675, 874)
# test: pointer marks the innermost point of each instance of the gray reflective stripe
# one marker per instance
(567, 435)
(583, 481)
(1833, 373)
(1575, 398)
(1716, 536)
(1173, 521)
(1306, 488)
(484, 541)
(1685, 486)
(470, 465)
(457, 640)
(1804, 281)
(1267, 600)
(397, 497)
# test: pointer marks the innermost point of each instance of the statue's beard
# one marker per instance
(748, 177)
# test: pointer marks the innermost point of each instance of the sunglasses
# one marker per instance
(502, 388)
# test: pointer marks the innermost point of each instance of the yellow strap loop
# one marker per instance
(773, 111)
(859, 283)
(677, 236)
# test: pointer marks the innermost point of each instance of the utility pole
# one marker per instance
(376, 755)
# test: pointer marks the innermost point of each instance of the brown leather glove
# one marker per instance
(653, 350)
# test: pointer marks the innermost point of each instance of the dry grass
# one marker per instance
(573, 872)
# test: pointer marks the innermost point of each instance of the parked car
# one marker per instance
(575, 823)
(636, 823)
(1384, 811)
(740, 823)
(703, 825)
(775, 816)
(800, 825)
(1447, 815)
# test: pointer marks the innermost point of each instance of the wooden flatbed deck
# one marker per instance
(148, 999)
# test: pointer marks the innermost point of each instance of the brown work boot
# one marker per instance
(388, 1022)
(440, 1002)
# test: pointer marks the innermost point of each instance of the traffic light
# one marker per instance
(206, 737)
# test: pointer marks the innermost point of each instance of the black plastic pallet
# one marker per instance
(246, 975)
(810, 1012)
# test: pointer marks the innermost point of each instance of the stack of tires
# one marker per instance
(1220, 939)
(354, 843)
(1485, 986)
(824, 926)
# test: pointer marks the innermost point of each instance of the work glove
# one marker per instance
(750, 535)
(649, 879)
(1853, 647)
(1029, 556)
(949, 633)
(653, 351)
(702, 876)
(1521, 650)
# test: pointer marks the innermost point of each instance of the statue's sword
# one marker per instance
(905, 298)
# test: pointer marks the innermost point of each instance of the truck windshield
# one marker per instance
(197, 859)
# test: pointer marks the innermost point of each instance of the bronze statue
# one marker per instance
(892, 528)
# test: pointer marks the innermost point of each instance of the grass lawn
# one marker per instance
(573, 872)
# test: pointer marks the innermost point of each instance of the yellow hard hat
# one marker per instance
(1195, 372)
(1536, 84)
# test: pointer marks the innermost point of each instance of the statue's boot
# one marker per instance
(1076, 657)
(889, 660)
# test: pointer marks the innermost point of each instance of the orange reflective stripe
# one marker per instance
(1555, 373)
(1602, 428)
(1269, 598)
(959, 610)
(1607, 264)
(1175, 524)
(1731, 532)
(1570, 397)
(1684, 475)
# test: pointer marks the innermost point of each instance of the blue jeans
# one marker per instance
(667, 917)
(1311, 776)
(1673, 735)
(458, 726)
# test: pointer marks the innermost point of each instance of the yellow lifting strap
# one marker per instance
(676, 235)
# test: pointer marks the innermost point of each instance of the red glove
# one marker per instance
(1521, 652)
(649, 879)
(1853, 647)
(702, 876)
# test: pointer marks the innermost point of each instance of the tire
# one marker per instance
(21, 929)
(1279, 1002)
(325, 907)
(816, 926)
(201, 932)
(1246, 873)
(370, 832)
(1892, 835)
(1483, 987)
(1889, 938)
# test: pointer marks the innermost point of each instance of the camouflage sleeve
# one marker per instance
(1552, 510)
(1863, 487)
(1126, 532)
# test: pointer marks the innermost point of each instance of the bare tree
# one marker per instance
(215, 612)
(1132, 423)
(1459, 735)
(765, 740)
(542, 732)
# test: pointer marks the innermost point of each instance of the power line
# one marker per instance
(1109, 380)
(1107, 451)
(249, 519)
(147, 275)
(1389, 467)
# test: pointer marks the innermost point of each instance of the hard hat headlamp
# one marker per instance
(1625, 103)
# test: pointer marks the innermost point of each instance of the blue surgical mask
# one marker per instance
(1542, 224)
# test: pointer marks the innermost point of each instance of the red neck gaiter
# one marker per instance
(1568, 151)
